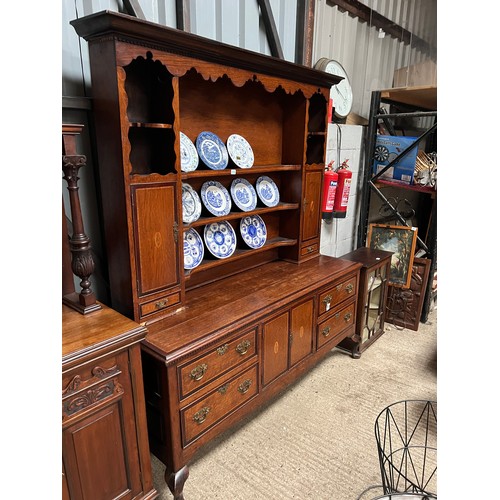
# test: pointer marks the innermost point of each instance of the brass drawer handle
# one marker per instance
(200, 416)
(198, 372)
(242, 347)
(244, 386)
(161, 304)
(337, 315)
(347, 317)
(327, 299)
(326, 331)
(349, 288)
(223, 389)
(222, 349)
(310, 249)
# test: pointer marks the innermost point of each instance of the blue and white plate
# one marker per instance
(240, 151)
(189, 155)
(193, 249)
(191, 204)
(243, 194)
(253, 230)
(216, 198)
(212, 151)
(220, 239)
(267, 191)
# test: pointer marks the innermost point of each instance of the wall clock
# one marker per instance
(341, 93)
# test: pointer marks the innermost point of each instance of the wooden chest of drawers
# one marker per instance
(206, 367)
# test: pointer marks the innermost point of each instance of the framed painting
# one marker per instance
(401, 241)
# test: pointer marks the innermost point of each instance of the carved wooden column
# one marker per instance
(82, 262)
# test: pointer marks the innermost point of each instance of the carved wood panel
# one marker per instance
(404, 305)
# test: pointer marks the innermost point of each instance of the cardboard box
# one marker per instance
(387, 147)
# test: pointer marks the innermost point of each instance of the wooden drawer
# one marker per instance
(197, 373)
(309, 249)
(205, 413)
(334, 328)
(336, 294)
(159, 304)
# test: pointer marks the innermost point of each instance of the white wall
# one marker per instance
(344, 142)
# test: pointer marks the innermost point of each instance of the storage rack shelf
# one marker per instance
(408, 102)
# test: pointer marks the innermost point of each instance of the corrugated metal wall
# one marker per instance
(235, 22)
(370, 61)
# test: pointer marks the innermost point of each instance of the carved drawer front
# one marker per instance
(336, 294)
(335, 328)
(91, 385)
(218, 360)
(205, 413)
(159, 304)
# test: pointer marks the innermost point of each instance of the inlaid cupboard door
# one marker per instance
(287, 339)
(155, 218)
(312, 205)
(275, 343)
(301, 331)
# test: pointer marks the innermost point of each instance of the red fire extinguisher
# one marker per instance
(329, 190)
(343, 189)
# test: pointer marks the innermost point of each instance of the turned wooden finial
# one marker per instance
(82, 262)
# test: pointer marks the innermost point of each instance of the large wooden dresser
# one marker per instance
(232, 332)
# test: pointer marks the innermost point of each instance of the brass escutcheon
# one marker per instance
(222, 349)
(161, 304)
(198, 372)
(242, 347)
(244, 386)
(200, 416)
(349, 288)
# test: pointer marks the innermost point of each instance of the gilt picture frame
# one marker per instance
(401, 240)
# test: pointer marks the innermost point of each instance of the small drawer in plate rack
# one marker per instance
(216, 361)
(159, 304)
(309, 249)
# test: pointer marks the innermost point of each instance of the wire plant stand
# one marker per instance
(406, 434)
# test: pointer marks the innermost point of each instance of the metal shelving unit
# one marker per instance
(410, 102)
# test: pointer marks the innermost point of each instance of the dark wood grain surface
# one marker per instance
(214, 309)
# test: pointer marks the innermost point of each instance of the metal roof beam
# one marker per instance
(271, 31)
(365, 14)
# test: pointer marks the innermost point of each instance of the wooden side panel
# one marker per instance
(154, 217)
(301, 330)
(275, 347)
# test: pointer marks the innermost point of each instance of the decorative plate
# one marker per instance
(212, 151)
(240, 151)
(216, 198)
(191, 204)
(267, 191)
(220, 239)
(243, 194)
(193, 249)
(253, 230)
(189, 155)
